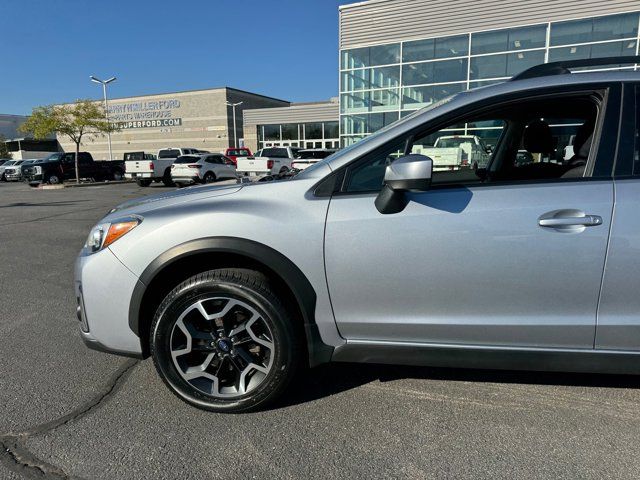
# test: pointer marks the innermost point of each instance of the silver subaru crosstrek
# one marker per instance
(380, 253)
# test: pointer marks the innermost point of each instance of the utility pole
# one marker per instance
(106, 105)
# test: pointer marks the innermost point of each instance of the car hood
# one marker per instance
(153, 202)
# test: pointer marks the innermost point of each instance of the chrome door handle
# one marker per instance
(586, 221)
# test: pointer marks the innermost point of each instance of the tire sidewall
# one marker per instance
(282, 365)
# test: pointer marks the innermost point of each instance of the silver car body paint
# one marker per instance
(421, 260)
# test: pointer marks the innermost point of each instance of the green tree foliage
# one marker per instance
(84, 117)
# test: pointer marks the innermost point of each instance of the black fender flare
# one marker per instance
(297, 282)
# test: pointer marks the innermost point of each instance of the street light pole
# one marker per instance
(235, 132)
(106, 105)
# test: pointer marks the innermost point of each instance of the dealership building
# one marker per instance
(307, 125)
(200, 119)
(397, 56)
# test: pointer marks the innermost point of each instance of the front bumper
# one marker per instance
(34, 178)
(14, 177)
(103, 287)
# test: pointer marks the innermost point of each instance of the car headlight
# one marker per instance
(104, 234)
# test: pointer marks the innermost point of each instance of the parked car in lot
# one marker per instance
(270, 160)
(155, 170)
(58, 167)
(202, 168)
(3, 167)
(13, 173)
(234, 153)
(373, 256)
(306, 158)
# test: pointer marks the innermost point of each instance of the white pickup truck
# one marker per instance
(456, 151)
(159, 169)
(268, 161)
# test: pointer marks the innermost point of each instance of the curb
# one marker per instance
(96, 184)
(43, 186)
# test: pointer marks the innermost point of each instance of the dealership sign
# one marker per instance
(163, 122)
(145, 114)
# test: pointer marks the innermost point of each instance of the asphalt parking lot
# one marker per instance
(69, 412)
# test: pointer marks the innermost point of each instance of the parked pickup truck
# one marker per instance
(58, 167)
(268, 161)
(144, 171)
(308, 157)
(456, 151)
(234, 153)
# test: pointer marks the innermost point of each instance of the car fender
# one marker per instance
(293, 277)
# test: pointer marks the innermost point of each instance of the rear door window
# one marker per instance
(169, 153)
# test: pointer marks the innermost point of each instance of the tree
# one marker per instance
(84, 117)
(4, 150)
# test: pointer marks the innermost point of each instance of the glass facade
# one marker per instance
(381, 83)
(305, 135)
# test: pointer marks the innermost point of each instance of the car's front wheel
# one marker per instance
(223, 341)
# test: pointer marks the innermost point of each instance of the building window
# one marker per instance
(596, 50)
(272, 132)
(419, 97)
(434, 72)
(331, 130)
(289, 131)
(594, 29)
(371, 56)
(313, 131)
(504, 65)
(434, 48)
(509, 39)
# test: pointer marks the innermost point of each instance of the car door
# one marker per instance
(491, 263)
(618, 326)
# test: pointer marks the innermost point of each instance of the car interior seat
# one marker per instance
(581, 148)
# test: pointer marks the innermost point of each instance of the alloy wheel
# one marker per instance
(222, 346)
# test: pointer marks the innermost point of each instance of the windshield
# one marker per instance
(54, 156)
(9, 163)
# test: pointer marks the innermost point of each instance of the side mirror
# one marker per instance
(411, 173)
(489, 149)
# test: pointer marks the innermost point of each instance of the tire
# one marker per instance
(53, 179)
(166, 179)
(116, 175)
(143, 182)
(284, 169)
(3, 178)
(229, 378)
(209, 177)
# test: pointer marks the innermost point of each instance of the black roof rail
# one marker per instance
(563, 67)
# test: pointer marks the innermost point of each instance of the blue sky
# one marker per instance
(286, 48)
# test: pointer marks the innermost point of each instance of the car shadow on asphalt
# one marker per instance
(335, 378)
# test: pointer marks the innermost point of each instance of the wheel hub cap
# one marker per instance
(222, 346)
